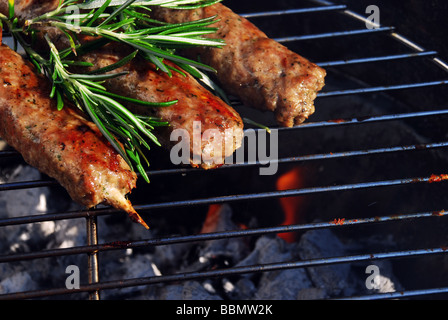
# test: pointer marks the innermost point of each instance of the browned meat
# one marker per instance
(196, 106)
(61, 144)
(29, 8)
(261, 72)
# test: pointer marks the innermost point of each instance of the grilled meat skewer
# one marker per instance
(197, 108)
(61, 144)
(260, 71)
(196, 111)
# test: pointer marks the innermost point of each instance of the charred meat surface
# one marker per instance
(61, 144)
(260, 71)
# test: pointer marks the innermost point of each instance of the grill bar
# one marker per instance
(92, 249)
(337, 223)
(225, 272)
(7, 153)
(376, 59)
(292, 11)
(27, 184)
(325, 94)
(54, 216)
(286, 193)
(329, 123)
(333, 34)
(382, 88)
(374, 26)
(400, 294)
(335, 155)
(92, 262)
(226, 199)
(369, 119)
(322, 156)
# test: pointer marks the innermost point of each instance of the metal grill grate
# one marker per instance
(409, 51)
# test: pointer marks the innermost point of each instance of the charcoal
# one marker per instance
(312, 294)
(243, 289)
(232, 248)
(18, 281)
(268, 249)
(323, 243)
(129, 266)
(69, 233)
(22, 202)
(190, 290)
(288, 284)
(27, 202)
(173, 256)
(280, 284)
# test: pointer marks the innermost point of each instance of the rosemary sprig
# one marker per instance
(154, 47)
(127, 22)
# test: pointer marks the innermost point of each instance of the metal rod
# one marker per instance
(27, 184)
(292, 11)
(92, 261)
(251, 196)
(333, 122)
(337, 155)
(118, 245)
(367, 119)
(323, 2)
(331, 155)
(226, 272)
(376, 59)
(285, 193)
(381, 88)
(9, 153)
(49, 217)
(244, 197)
(411, 44)
(399, 294)
(333, 34)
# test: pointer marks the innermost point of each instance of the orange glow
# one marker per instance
(212, 218)
(339, 221)
(291, 206)
(438, 178)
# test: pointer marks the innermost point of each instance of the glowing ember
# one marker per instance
(339, 221)
(438, 178)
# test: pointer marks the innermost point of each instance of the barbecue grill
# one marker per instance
(372, 163)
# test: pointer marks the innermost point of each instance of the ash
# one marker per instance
(307, 283)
